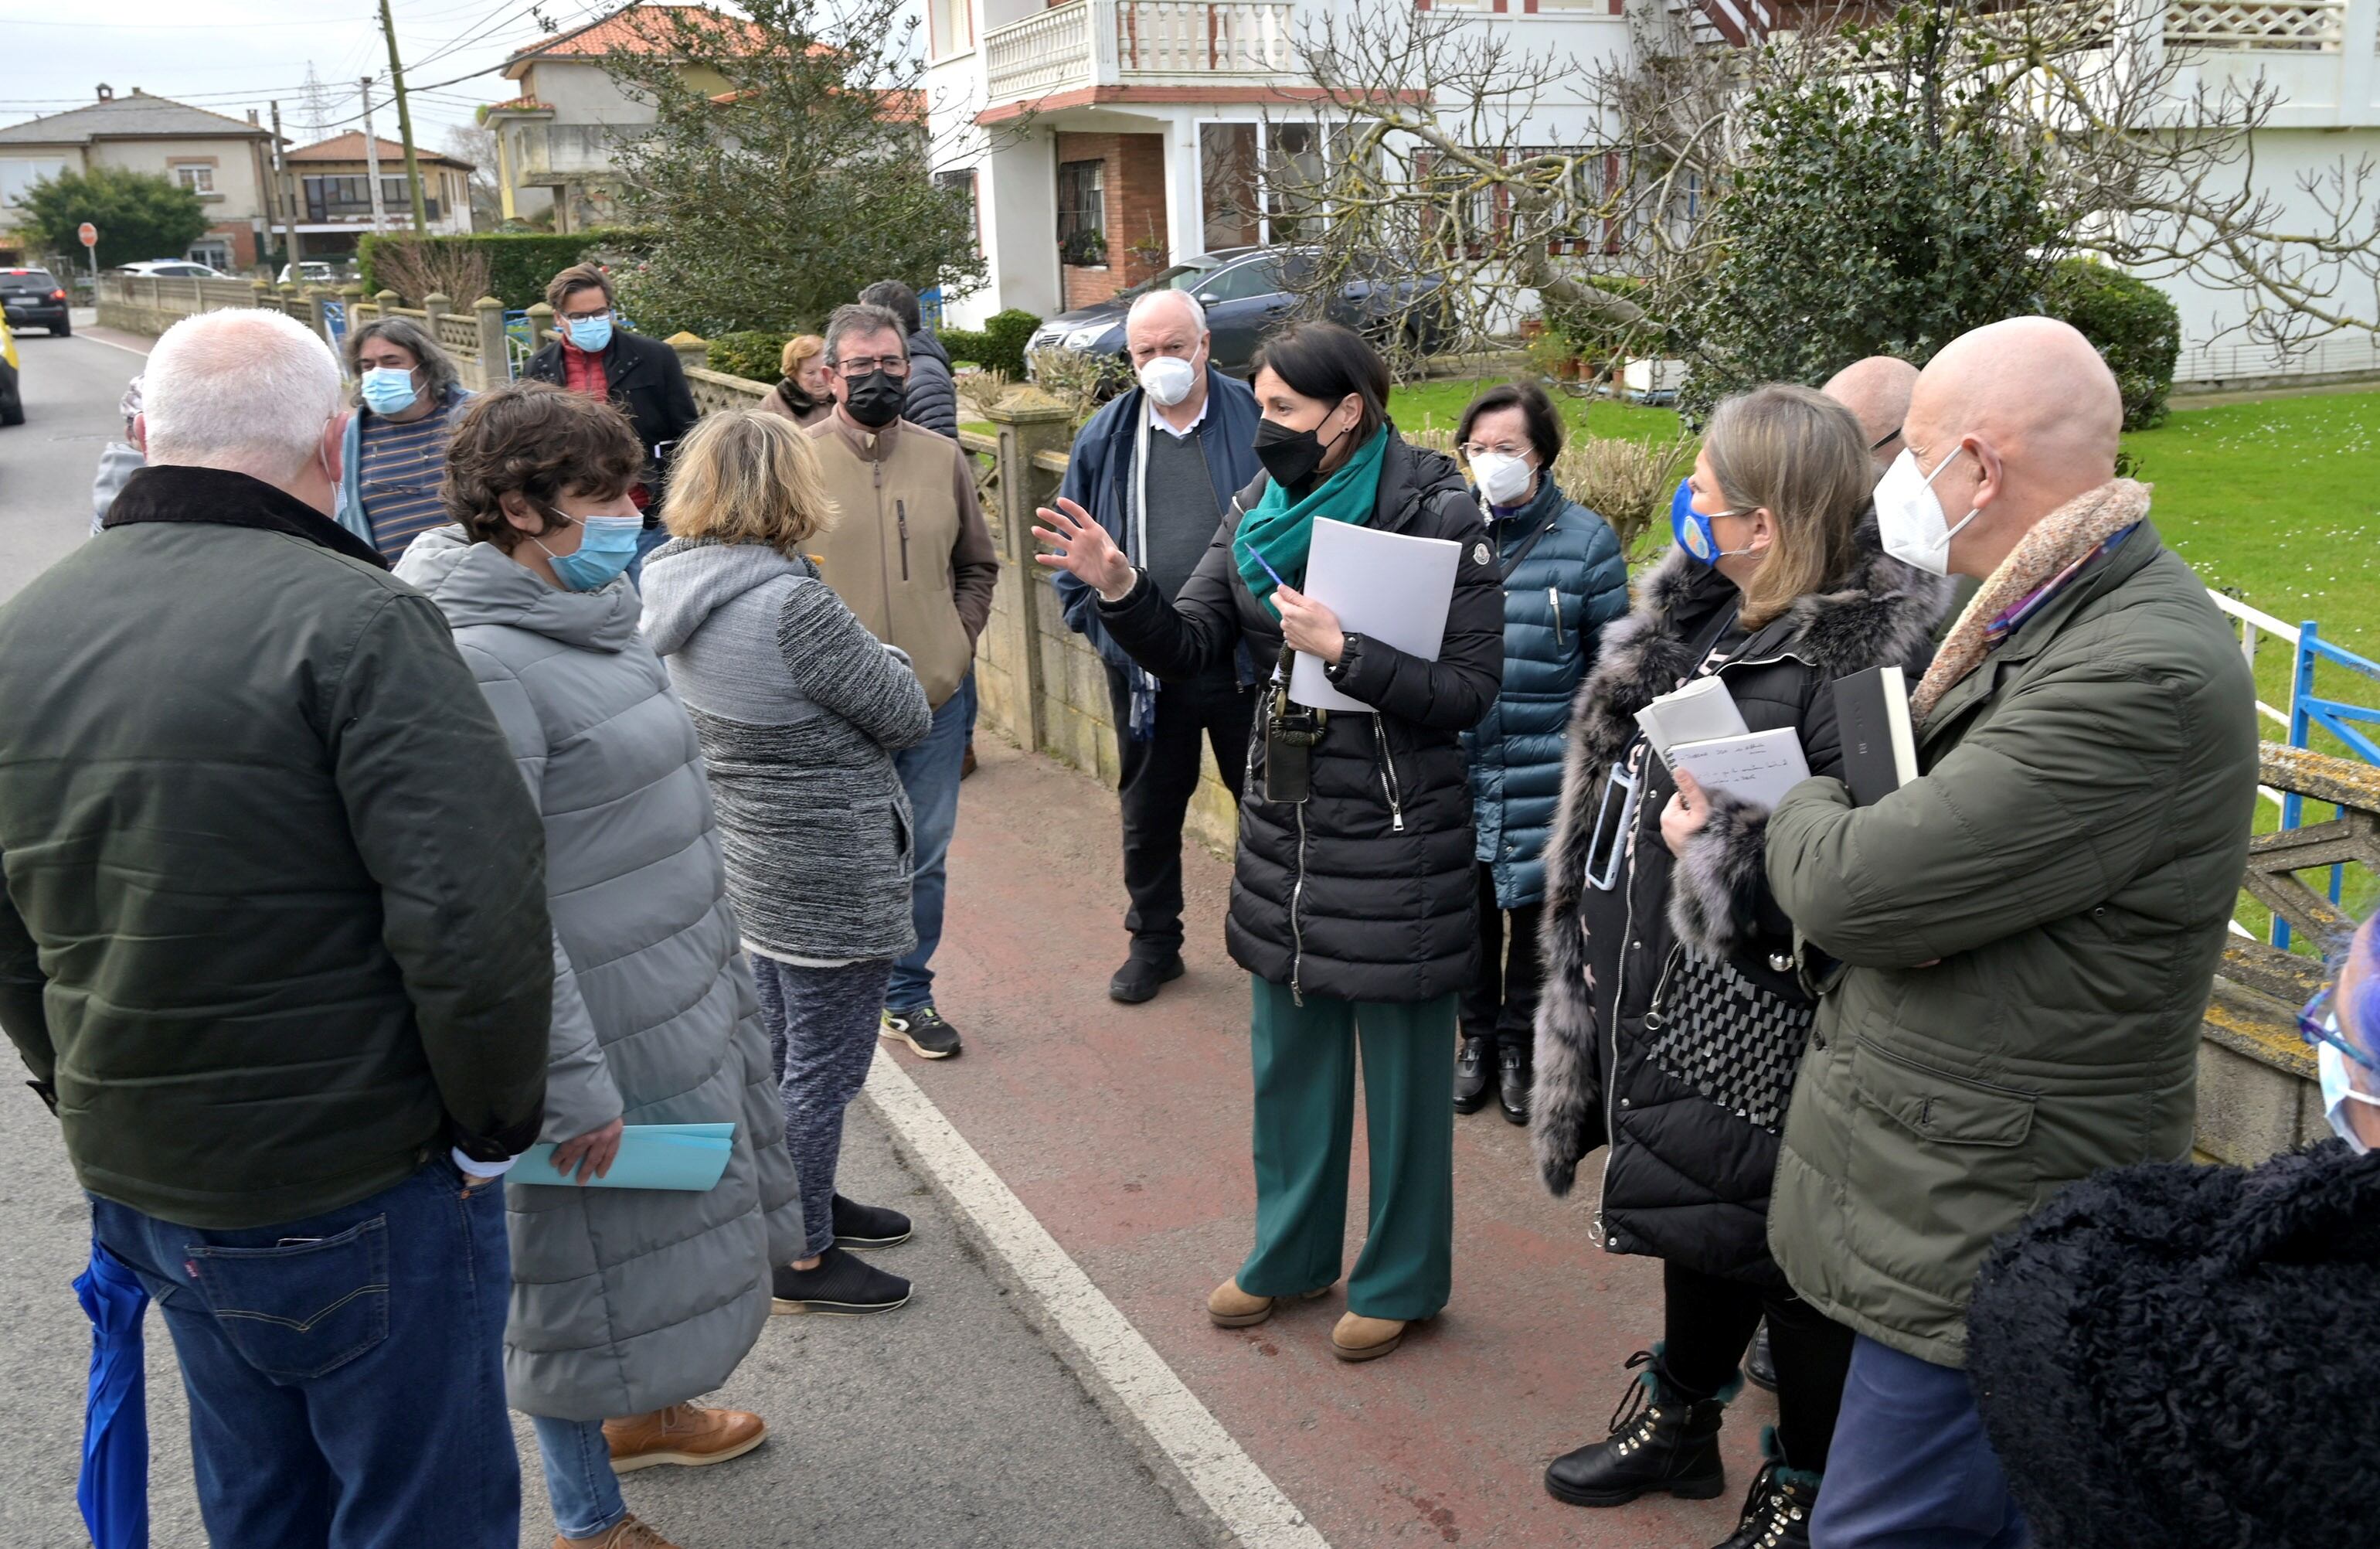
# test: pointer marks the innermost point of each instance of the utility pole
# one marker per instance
(286, 196)
(404, 120)
(371, 162)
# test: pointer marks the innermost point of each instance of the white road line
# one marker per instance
(93, 339)
(1226, 1478)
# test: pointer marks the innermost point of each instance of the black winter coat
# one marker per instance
(647, 381)
(1672, 1021)
(933, 397)
(1365, 891)
(2189, 1357)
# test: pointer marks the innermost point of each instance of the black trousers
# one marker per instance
(1500, 1004)
(1707, 1327)
(1156, 784)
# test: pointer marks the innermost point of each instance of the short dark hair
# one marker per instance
(539, 440)
(1545, 426)
(1324, 361)
(898, 299)
(578, 276)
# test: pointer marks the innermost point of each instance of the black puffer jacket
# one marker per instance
(932, 400)
(2190, 1357)
(1671, 1022)
(1365, 892)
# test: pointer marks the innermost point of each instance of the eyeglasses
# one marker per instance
(2318, 1023)
(869, 365)
(1881, 442)
(587, 317)
(1473, 450)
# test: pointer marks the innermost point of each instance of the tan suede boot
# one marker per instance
(688, 1434)
(1359, 1339)
(1230, 1307)
(626, 1533)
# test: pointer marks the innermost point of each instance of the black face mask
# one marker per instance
(1291, 456)
(875, 400)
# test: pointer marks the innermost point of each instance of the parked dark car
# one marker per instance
(31, 298)
(1247, 292)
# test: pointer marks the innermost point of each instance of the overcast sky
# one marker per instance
(248, 52)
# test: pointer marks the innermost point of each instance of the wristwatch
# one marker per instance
(1348, 645)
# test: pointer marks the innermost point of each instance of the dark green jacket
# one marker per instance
(273, 919)
(2027, 936)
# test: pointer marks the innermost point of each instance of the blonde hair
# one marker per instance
(798, 349)
(1799, 454)
(748, 477)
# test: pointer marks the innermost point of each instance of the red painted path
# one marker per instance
(1125, 1131)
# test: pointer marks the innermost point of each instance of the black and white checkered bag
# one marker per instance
(1728, 1038)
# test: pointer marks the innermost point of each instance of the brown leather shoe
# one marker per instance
(626, 1533)
(1359, 1339)
(1230, 1307)
(682, 1434)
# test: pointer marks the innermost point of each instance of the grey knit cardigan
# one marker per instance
(799, 710)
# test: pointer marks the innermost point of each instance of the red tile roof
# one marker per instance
(631, 30)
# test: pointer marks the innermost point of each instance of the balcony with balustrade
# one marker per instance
(1086, 44)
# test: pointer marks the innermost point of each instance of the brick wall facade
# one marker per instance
(1133, 189)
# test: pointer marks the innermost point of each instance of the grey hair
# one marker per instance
(1197, 312)
(440, 379)
(861, 318)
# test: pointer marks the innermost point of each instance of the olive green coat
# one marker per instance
(2024, 940)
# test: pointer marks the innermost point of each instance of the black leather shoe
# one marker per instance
(1777, 1511)
(858, 1226)
(1513, 1077)
(1760, 1367)
(1660, 1440)
(1471, 1075)
(842, 1284)
(1140, 978)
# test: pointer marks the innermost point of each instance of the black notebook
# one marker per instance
(1879, 746)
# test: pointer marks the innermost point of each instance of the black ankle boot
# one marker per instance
(1660, 1440)
(1471, 1075)
(1776, 1512)
(1512, 1082)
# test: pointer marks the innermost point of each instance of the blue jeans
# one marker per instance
(648, 539)
(929, 772)
(578, 1477)
(1911, 1467)
(345, 1373)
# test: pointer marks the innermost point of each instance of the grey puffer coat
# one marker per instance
(801, 711)
(624, 1300)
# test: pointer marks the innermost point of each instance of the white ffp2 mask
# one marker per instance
(1909, 515)
(1168, 379)
(1502, 477)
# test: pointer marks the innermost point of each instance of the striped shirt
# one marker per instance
(403, 465)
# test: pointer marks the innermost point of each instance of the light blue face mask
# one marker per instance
(2338, 1093)
(609, 544)
(592, 334)
(387, 390)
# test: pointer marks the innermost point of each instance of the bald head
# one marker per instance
(1876, 392)
(2037, 413)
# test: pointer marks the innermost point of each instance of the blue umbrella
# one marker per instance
(114, 1490)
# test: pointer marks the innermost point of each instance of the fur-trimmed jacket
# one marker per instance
(2182, 1355)
(1672, 1021)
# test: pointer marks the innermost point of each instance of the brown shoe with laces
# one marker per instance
(626, 1533)
(688, 1434)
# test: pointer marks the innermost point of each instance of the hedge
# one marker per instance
(753, 354)
(519, 264)
(998, 346)
(2133, 325)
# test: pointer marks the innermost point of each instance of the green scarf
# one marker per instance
(1281, 531)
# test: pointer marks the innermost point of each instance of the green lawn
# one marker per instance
(1439, 406)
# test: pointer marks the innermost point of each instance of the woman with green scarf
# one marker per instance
(1352, 893)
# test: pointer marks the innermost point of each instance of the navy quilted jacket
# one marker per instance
(1565, 588)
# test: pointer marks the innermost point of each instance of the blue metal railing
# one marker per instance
(2337, 718)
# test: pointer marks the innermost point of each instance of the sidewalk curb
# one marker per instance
(1087, 1334)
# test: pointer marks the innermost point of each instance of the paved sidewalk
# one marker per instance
(1125, 1131)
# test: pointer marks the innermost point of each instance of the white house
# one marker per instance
(1104, 139)
(327, 190)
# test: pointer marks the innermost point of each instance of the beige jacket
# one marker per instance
(909, 552)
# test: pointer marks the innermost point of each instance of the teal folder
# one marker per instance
(689, 1157)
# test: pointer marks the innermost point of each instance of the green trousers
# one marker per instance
(1306, 1126)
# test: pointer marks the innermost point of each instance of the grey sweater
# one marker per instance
(799, 710)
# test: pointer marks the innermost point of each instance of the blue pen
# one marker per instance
(1261, 560)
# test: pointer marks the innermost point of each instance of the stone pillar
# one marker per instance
(265, 296)
(693, 353)
(1029, 422)
(360, 311)
(387, 301)
(437, 304)
(540, 327)
(495, 354)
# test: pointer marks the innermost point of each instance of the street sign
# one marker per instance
(89, 233)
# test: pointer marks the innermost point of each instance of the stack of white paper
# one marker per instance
(1384, 586)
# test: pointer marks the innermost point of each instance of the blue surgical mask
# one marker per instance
(592, 334)
(1692, 529)
(2338, 1092)
(387, 390)
(604, 551)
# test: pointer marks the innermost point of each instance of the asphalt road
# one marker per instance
(949, 1424)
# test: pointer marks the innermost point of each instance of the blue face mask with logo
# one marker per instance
(592, 334)
(604, 551)
(1692, 529)
(387, 390)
